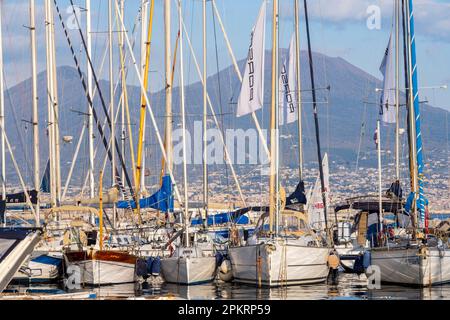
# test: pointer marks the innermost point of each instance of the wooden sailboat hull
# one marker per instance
(189, 270)
(278, 264)
(413, 267)
(102, 267)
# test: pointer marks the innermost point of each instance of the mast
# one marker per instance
(55, 110)
(50, 100)
(380, 191)
(416, 134)
(183, 119)
(411, 120)
(144, 31)
(150, 111)
(298, 91)
(168, 73)
(91, 94)
(140, 155)
(35, 101)
(111, 97)
(100, 209)
(273, 183)
(2, 112)
(205, 118)
(397, 89)
(124, 84)
(316, 117)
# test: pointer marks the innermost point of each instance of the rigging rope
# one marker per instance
(99, 127)
(219, 88)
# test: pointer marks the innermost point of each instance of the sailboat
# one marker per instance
(96, 266)
(418, 257)
(193, 261)
(283, 250)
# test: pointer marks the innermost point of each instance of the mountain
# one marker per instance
(341, 110)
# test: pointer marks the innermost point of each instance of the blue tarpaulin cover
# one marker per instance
(221, 218)
(44, 259)
(161, 200)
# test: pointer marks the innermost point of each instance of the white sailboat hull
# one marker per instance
(411, 267)
(108, 269)
(269, 265)
(189, 270)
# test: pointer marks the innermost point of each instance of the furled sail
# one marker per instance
(162, 200)
(421, 200)
(252, 90)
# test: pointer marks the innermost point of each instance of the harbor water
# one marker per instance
(350, 287)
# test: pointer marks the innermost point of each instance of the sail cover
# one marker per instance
(222, 218)
(161, 200)
(2, 211)
(299, 196)
(387, 108)
(252, 90)
(45, 184)
(21, 197)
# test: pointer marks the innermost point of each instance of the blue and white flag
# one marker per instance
(252, 90)
(388, 102)
(288, 85)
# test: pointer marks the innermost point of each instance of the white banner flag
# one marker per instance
(388, 97)
(288, 85)
(252, 90)
(315, 210)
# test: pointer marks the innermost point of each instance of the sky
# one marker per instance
(339, 29)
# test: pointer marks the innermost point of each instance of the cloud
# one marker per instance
(432, 16)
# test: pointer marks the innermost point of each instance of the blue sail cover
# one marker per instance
(161, 200)
(421, 201)
(221, 218)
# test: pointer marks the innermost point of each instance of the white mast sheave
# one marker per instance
(252, 91)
